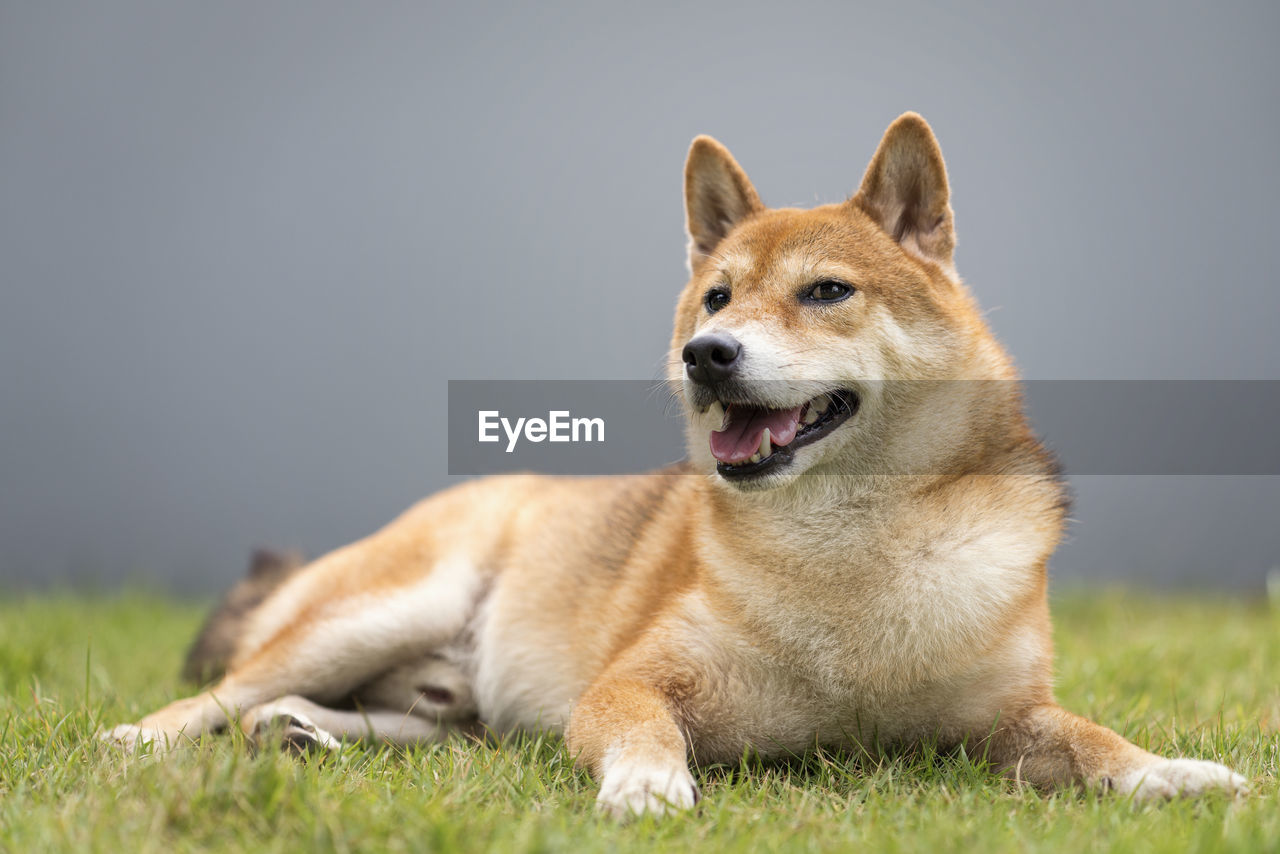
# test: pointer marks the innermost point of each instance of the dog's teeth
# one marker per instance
(766, 447)
(820, 404)
(717, 414)
(810, 415)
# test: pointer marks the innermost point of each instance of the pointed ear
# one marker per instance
(717, 196)
(905, 191)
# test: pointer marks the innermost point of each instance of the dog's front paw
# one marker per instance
(1161, 779)
(633, 787)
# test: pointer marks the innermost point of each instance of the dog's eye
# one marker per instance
(828, 290)
(716, 299)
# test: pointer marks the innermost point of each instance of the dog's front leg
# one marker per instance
(623, 729)
(1048, 746)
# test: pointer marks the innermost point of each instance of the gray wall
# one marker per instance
(244, 245)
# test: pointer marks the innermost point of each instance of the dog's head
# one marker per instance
(794, 323)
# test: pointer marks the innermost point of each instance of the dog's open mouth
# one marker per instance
(753, 439)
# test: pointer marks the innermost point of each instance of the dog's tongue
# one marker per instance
(743, 429)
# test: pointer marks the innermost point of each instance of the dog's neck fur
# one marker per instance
(836, 520)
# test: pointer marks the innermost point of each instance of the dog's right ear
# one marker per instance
(717, 196)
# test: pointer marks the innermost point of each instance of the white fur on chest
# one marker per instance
(873, 616)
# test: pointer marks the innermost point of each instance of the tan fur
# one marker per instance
(888, 587)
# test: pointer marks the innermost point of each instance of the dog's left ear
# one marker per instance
(905, 191)
(717, 196)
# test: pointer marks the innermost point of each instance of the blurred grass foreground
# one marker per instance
(1192, 675)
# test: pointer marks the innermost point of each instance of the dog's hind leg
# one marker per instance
(304, 726)
(420, 701)
(331, 628)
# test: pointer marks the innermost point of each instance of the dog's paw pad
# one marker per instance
(1171, 778)
(292, 731)
(301, 741)
(633, 788)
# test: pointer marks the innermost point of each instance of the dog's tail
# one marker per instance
(216, 643)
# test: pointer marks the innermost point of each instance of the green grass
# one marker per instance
(1196, 676)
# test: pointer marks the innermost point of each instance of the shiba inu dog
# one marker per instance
(854, 553)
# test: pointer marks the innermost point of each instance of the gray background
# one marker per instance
(243, 246)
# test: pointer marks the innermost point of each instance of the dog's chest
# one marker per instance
(878, 644)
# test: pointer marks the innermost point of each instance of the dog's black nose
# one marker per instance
(711, 358)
